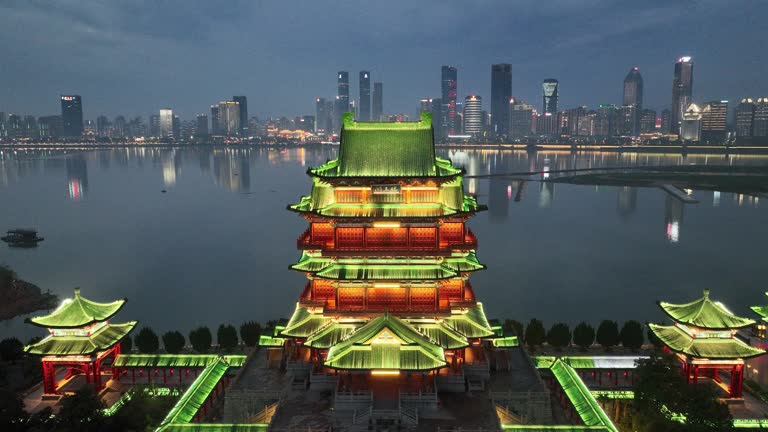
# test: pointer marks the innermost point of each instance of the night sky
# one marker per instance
(134, 57)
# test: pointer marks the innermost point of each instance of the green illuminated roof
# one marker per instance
(386, 342)
(440, 334)
(429, 210)
(271, 336)
(103, 339)
(191, 401)
(761, 310)
(303, 323)
(713, 348)
(78, 312)
(174, 360)
(386, 149)
(472, 324)
(588, 409)
(705, 313)
(332, 333)
(387, 269)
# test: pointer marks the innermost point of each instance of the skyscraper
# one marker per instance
(745, 117)
(714, 118)
(760, 124)
(550, 90)
(437, 115)
(202, 125)
(473, 115)
(323, 116)
(166, 122)
(378, 101)
(633, 96)
(666, 121)
(606, 120)
(682, 92)
(243, 102)
(520, 119)
(648, 121)
(342, 98)
(449, 82)
(501, 92)
(72, 115)
(365, 96)
(229, 118)
(690, 126)
(215, 125)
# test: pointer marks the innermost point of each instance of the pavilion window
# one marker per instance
(451, 233)
(351, 298)
(451, 290)
(424, 196)
(348, 196)
(422, 298)
(386, 237)
(387, 298)
(322, 233)
(423, 237)
(323, 289)
(349, 237)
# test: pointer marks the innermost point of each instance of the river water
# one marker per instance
(216, 245)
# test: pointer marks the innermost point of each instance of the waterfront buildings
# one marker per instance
(550, 95)
(682, 92)
(377, 110)
(745, 118)
(166, 123)
(666, 121)
(690, 128)
(341, 104)
(228, 118)
(448, 87)
(473, 115)
(520, 119)
(365, 96)
(80, 336)
(72, 116)
(501, 93)
(633, 100)
(606, 120)
(702, 338)
(760, 124)
(242, 103)
(323, 116)
(202, 125)
(647, 121)
(714, 122)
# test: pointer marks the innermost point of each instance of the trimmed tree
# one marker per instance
(173, 341)
(584, 335)
(559, 336)
(632, 335)
(515, 326)
(201, 339)
(535, 333)
(11, 349)
(608, 334)
(126, 344)
(227, 337)
(147, 341)
(250, 332)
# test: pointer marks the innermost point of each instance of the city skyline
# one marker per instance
(164, 75)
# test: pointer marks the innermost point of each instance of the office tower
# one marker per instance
(586, 124)
(547, 124)
(243, 102)
(322, 116)
(501, 92)
(102, 126)
(633, 96)
(437, 115)
(760, 124)
(569, 120)
(449, 80)
(520, 119)
(72, 115)
(342, 99)
(606, 120)
(627, 120)
(118, 127)
(745, 117)
(714, 118)
(229, 118)
(154, 125)
(166, 122)
(215, 124)
(50, 126)
(648, 121)
(682, 92)
(666, 121)
(201, 129)
(690, 127)
(365, 96)
(3, 125)
(550, 93)
(378, 101)
(176, 127)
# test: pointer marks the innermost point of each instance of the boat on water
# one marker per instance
(22, 237)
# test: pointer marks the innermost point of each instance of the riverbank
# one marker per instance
(18, 297)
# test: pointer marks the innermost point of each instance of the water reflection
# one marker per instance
(231, 169)
(673, 217)
(627, 203)
(77, 176)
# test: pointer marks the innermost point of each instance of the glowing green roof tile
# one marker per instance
(102, 339)
(174, 360)
(303, 323)
(467, 263)
(440, 334)
(472, 324)
(332, 333)
(705, 313)
(191, 401)
(761, 310)
(78, 312)
(386, 272)
(713, 348)
(386, 342)
(590, 412)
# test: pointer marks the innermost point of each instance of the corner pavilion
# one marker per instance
(80, 338)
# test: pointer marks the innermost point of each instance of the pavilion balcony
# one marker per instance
(366, 241)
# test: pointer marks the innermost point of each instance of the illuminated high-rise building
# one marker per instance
(166, 122)
(633, 97)
(648, 121)
(473, 115)
(378, 101)
(341, 104)
(606, 122)
(666, 121)
(449, 83)
(745, 118)
(215, 125)
(365, 96)
(323, 116)
(690, 127)
(72, 115)
(760, 124)
(501, 92)
(550, 95)
(242, 101)
(682, 92)
(229, 118)
(714, 119)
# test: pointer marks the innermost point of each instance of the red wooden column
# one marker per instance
(49, 378)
